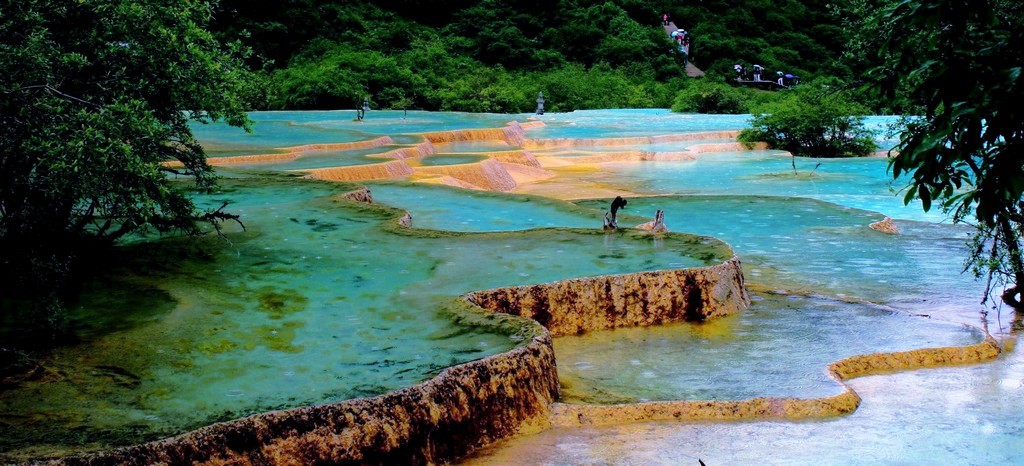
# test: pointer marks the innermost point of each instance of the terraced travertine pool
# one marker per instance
(321, 299)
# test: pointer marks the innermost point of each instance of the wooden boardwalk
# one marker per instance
(691, 70)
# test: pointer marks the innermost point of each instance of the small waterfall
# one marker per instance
(520, 157)
(489, 174)
(512, 134)
(342, 146)
(380, 171)
(419, 150)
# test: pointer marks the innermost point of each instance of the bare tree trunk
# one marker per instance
(1016, 264)
(659, 222)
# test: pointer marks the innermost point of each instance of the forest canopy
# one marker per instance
(494, 56)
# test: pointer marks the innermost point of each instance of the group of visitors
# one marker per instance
(682, 38)
(756, 74)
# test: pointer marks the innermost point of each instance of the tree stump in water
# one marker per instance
(610, 222)
(659, 222)
(657, 225)
(406, 220)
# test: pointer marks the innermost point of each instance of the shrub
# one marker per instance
(703, 96)
(812, 122)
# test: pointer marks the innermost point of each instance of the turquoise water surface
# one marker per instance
(317, 300)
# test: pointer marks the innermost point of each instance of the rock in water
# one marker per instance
(359, 195)
(886, 226)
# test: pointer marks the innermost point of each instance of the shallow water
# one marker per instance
(631, 122)
(861, 183)
(450, 159)
(804, 243)
(779, 347)
(316, 303)
(473, 146)
(958, 415)
(677, 146)
(443, 208)
(313, 304)
(322, 159)
(287, 128)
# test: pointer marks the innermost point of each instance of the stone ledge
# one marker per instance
(466, 406)
(437, 421)
(582, 305)
(579, 415)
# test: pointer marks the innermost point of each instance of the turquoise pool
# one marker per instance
(317, 302)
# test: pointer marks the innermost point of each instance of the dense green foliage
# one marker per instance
(812, 122)
(710, 97)
(801, 37)
(714, 96)
(95, 94)
(489, 55)
(961, 63)
(337, 77)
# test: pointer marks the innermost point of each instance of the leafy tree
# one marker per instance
(336, 76)
(94, 96)
(812, 122)
(713, 97)
(522, 37)
(961, 62)
(625, 41)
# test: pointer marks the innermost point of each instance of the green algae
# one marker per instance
(319, 299)
(245, 294)
(279, 303)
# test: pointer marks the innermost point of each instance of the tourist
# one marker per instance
(757, 72)
(739, 71)
(781, 77)
(665, 19)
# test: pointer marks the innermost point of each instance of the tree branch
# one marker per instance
(217, 216)
(53, 90)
